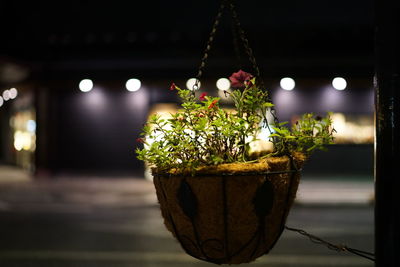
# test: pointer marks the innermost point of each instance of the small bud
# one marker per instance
(213, 103)
(203, 96)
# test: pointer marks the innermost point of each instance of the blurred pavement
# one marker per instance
(115, 221)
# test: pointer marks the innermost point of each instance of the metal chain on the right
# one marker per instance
(338, 248)
(245, 41)
(250, 54)
(208, 46)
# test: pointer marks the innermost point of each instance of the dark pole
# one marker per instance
(387, 140)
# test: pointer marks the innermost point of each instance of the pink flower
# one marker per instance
(213, 103)
(172, 87)
(239, 78)
(202, 96)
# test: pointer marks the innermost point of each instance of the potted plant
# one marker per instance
(223, 203)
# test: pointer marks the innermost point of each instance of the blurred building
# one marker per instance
(49, 126)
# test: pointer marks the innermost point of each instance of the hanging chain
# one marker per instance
(337, 248)
(208, 47)
(252, 59)
(246, 45)
(245, 41)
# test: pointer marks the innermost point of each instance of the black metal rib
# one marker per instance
(174, 228)
(225, 210)
(293, 171)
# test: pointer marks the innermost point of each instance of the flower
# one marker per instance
(213, 103)
(172, 87)
(140, 140)
(239, 78)
(202, 96)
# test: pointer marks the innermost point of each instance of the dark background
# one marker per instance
(166, 38)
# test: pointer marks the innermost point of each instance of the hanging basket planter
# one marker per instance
(231, 213)
(223, 203)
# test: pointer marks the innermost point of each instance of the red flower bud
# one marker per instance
(172, 87)
(202, 96)
(213, 103)
(140, 140)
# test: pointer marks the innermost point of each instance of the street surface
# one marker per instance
(115, 222)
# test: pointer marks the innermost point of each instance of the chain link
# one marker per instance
(245, 42)
(252, 58)
(247, 48)
(208, 46)
(337, 248)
